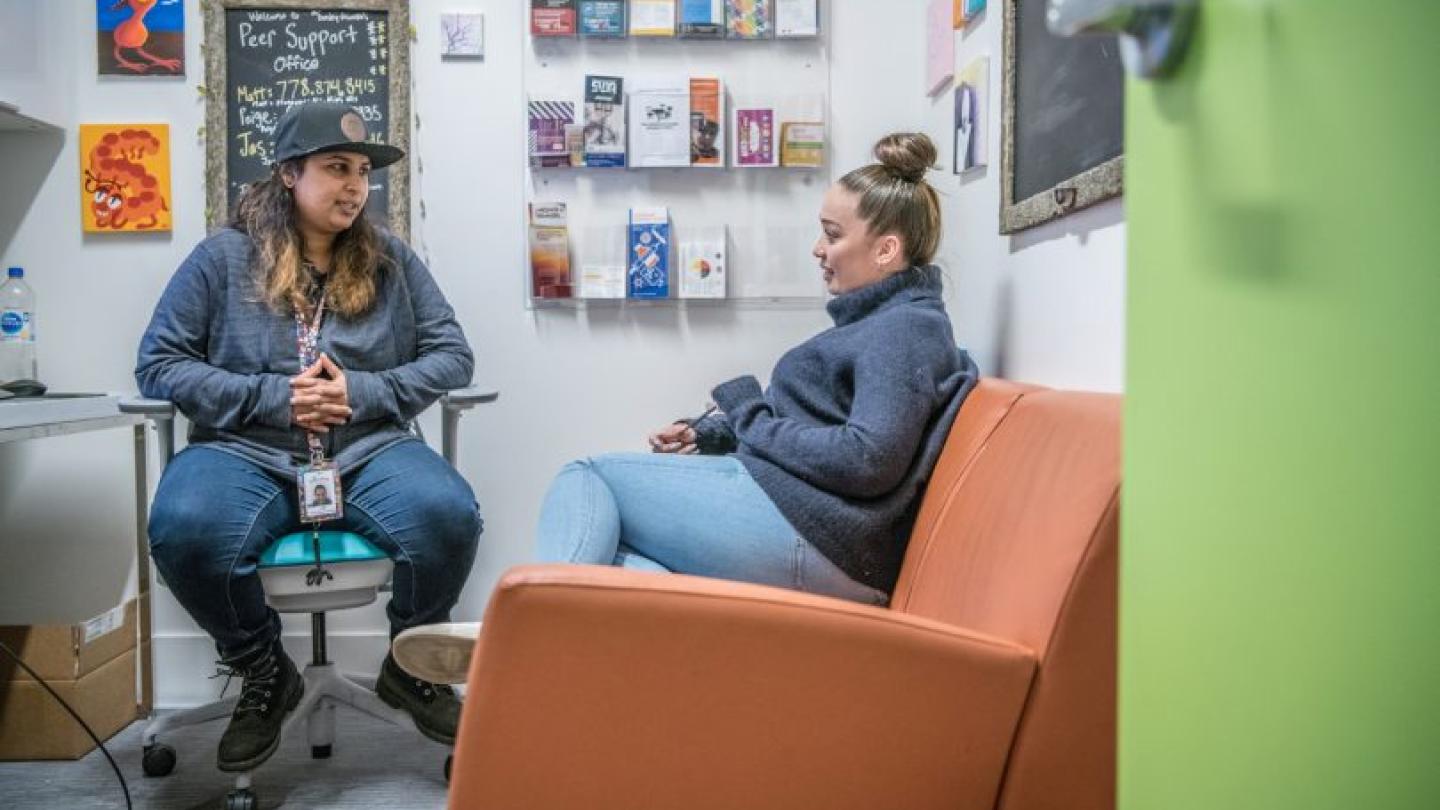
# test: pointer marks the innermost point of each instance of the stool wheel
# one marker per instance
(243, 799)
(157, 759)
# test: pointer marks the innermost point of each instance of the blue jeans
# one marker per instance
(701, 515)
(215, 512)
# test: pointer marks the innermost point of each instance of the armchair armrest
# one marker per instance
(161, 413)
(465, 398)
(154, 408)
(665, 691)
(452, 405)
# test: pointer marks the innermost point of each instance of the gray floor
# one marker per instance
(373, 766)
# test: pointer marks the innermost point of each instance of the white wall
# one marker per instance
(1045, 309)
(1046, 305)
(33, 63)
(67, 520)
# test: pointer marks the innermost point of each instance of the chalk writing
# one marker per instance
(277, 59)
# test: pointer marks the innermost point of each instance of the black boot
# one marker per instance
(434, 707)
(272, 688)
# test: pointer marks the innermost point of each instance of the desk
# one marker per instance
(38, 418)
(43, 417)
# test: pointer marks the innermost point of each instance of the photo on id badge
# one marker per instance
(319, 493)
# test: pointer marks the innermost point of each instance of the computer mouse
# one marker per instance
(24, 388)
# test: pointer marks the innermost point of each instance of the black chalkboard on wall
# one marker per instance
(1063, 120)
(264, 56)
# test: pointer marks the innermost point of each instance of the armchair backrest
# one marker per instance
(1016, 538)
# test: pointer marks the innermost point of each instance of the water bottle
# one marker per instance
(17, 329)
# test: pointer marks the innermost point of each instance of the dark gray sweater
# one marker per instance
(846, 436)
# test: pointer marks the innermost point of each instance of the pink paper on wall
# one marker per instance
(940, 46)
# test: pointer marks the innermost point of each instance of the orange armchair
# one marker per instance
(989, 682)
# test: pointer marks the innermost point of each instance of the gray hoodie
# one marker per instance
(225, 359)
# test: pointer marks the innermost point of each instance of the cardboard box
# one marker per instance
(90, 664)
(34, 726)
(67, 652)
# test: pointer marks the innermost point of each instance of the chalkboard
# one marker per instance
(1064, 119)
(276, 54)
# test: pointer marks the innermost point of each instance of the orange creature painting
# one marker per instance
(141, 36)
(125, 177)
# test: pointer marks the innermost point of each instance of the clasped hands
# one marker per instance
(319, 397)
(676, 437)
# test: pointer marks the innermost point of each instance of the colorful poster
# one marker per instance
(549, 251)
(604, 129)
(802, 144)
(649, 273)
(755, 138)
(940, 47)
(125, 177)
(966, 11)
(140, 37)
(548, 119)
(970, 95)
(707, 130)
(747, 19)
(552, 18)
(602, 19)
(702, 19)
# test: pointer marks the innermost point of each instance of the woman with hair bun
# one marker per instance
(812, 484)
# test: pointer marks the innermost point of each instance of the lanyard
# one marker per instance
(307, 336)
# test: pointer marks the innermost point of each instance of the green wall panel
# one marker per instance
(1280, 557)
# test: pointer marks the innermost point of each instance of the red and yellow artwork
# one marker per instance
(125, 177)
(145, 37)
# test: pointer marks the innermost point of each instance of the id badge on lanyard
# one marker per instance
(319, 481)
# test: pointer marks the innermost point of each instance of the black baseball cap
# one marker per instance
(308, 129)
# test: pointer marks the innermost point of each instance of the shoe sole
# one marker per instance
(259, 759)
(433, 656)
(382, 690)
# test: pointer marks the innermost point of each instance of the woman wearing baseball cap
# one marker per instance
(300, 341)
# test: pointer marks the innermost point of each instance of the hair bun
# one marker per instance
(907, 155)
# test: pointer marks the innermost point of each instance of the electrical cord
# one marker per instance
(61, 701)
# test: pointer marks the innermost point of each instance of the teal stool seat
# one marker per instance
(355, 570)
(335, 547)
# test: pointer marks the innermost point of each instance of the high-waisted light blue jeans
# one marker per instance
(701, 515)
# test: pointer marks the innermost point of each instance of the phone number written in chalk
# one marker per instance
(305, 88)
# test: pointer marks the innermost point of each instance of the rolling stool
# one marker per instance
(359, 571)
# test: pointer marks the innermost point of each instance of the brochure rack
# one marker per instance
(768, 214)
